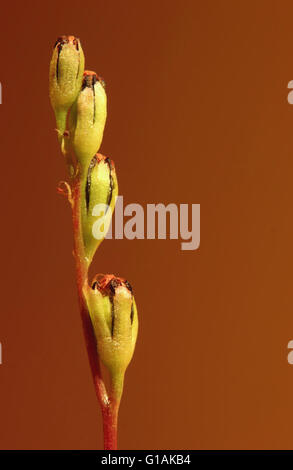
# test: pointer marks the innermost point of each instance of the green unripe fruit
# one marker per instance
(99, 193)
(65, 78)
(114, 318)
(87, 119)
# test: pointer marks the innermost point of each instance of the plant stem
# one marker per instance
(109, 407)
(110, 423)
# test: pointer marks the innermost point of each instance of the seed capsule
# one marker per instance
(100, 190)
(114, 318)
(87, 119)
(65, 77)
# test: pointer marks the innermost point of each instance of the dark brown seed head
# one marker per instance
(61, 40)
(107, 284)
(90, 78)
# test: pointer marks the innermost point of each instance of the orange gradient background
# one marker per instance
(197, 113)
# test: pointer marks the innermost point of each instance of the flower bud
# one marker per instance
(100, 190)
(87, 119)
(114, 318)
(65, 78)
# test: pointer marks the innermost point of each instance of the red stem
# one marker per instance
(109, 407)
(110, 423)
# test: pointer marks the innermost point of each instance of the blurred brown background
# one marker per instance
(198, 113)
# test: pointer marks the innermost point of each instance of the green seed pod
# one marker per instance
(87, 119)
(65, 77)
(114, 318)
(99, 193)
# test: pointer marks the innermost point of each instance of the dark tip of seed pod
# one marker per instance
(113, 284)
(128, 285)
(108, 283)
(89, 79)
(61, 40)
(76, 43)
